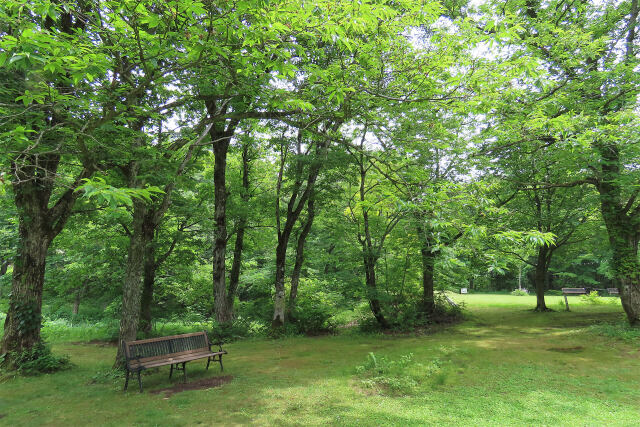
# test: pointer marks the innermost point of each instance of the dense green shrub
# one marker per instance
(38, 360)
(519, 292)
(593, 298)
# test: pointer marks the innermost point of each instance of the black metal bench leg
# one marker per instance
(126, 381)
(220, 360)
(208, 361)
(139, 382)
(171, 371)
(184, 370)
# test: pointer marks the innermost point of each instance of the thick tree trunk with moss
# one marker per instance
(23, 321)
(39, 224)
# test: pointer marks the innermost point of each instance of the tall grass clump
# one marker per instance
(400, 377)
(621, 330)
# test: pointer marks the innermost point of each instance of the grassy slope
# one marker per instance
(509, 366)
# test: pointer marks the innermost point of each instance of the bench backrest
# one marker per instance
(612, 291)
(575, 291)
(162, 347)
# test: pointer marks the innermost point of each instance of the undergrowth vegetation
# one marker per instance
(620, 330)
(404, 376)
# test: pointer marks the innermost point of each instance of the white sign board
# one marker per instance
(463, 290)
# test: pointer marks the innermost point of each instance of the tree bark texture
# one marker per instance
(234, 275)
(149, 270)
(623, 228)
(221, 307)
(540, 276)
(428, 267)
(39, 224)
(132, 284)
(297, 267)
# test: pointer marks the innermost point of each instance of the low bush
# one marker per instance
(403, 376)
(387, 376)
(37, 360)
(519, 292)
(593, 298)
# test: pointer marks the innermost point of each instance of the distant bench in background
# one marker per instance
(572, 291)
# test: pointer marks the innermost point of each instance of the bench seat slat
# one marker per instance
(173, 360)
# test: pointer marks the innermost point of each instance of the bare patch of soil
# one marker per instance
(566, 349)
(203, 384)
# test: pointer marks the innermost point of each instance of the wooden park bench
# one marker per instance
(613, 291)
(572, 291)
(174, 350)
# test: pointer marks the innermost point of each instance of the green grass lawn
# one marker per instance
(504, 365)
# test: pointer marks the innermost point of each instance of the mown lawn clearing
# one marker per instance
(505, 365)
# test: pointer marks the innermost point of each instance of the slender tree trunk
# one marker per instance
(293, 213)
(279, 300)
(4, 266)
(370, 255)
(370, 261)
(542, 268)
(428, 266)
(79, 294)
(297, 267)
(234, 275)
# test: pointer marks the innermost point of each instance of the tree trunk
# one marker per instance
(221, 307)
(627, 271)
(297, 267)
(39, 224)
(79, 294)
(428, 265)
(234, 275)
(4, 266)
(279, 299)
(149, 268)
(372, 290)
(293, 213)
(23, 321)
(623, 228)
(540, 276)
(132, 285)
